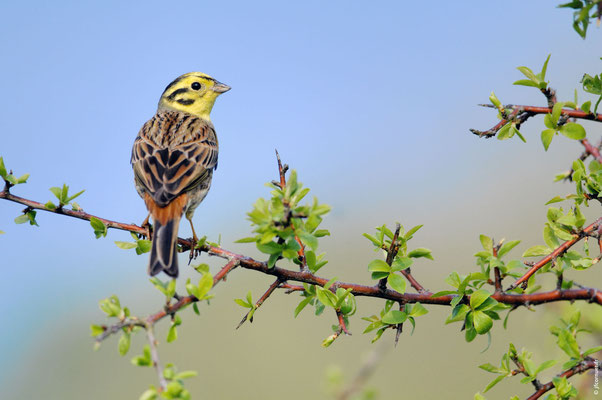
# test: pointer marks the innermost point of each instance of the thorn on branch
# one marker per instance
(391, 253)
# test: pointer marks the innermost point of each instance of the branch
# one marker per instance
(259, 302)
(155, 356)
(559, 251)
(523, 113)
(588, 363)
(391, 253)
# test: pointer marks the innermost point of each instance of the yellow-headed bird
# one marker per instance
(173, 158)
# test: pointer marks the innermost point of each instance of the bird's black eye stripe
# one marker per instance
(195, 86)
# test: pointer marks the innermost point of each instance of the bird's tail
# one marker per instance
(163, 255)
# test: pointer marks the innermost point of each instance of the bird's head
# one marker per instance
(194, 93)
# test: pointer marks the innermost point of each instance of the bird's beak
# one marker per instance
(220, 87)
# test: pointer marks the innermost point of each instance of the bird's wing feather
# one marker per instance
(170, 159)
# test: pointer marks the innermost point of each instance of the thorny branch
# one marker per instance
(520, 114)
(283, 276)
(559, 251)
(588, 363)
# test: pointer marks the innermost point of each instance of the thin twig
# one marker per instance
(155, 356)
(559, 251)
(588, 363)
(259, 302)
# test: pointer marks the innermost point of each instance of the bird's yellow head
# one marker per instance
(194, 93)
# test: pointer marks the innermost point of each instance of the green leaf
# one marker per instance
(529, 74)
(397, 282)
(394, 317)
(566, 341)
(100, 229)
(537, 251)
(326, 297)
(242, 303)
(556, 199)
(546, 138)
(378, 266)
(3, 172)
(302, 305)
(150, 394)
(246, 240)
(124, 343)
(418, 310)
(592, 351)
(586, 107)
(420, 252)
(545, 365)
(185, 375)
(172, 334)
(401, 263)
(490, 368)
(526, 82)
(494, 100)
(544, 69)
(482, 322)
(487, 243)
(494, 382)
(21, 219)
(126, 245)
(556, 112)
(96, 330)
(573, 131)
(478, 297)
(506, 247)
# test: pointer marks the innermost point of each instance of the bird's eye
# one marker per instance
(195, 86)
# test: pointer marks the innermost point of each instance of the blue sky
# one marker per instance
(371, 103)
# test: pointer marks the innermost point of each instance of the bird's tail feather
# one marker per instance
(163, 255)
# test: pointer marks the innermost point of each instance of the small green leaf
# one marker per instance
(172, 334)
(378, 266)
(546, 138)
(556, 112)
(302, 305)
(573, 131)
(420, 252)
(566, 341)
(124, 343)
(394, 317)
(478, 297)
(537, 251)
(3, 172)
(487, 243)
(506, 247)
(397, 282)
(482, 322)
(126, 245)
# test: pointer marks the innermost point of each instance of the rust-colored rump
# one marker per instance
(173, 210)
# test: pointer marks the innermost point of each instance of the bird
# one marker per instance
(173, 158)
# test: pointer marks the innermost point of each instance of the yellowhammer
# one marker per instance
(173, 158)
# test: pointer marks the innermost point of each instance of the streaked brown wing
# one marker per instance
(171, 158)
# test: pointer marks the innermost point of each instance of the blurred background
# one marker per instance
(371, 104)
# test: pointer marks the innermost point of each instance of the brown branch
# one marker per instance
(522, 113)
(155, 356)
(559, 251)
(585, 365)
(259, 302)
(391, 253)
(288, 213)
(342, 325)
(589, 149)
(423, 296)
(413, 282)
